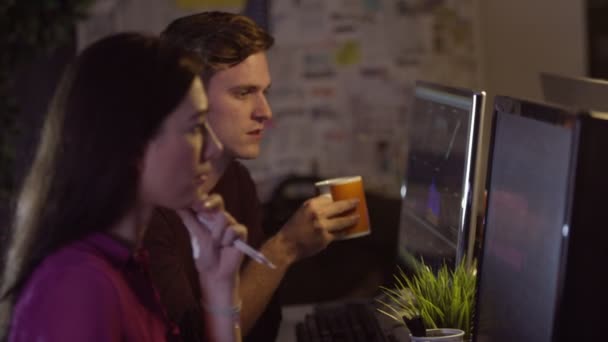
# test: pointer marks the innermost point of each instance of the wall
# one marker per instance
(150, 16)
(520, 38)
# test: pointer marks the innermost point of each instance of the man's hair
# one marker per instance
(221, 39)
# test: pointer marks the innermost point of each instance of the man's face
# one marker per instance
(238, 107)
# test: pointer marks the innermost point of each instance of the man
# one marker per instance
(236, 78)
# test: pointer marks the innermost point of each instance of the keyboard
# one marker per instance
(345, 322)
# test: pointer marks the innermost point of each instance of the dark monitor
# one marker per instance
(575, 92)
(545, 246)
(437, 205)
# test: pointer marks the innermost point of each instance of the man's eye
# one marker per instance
(243, 92)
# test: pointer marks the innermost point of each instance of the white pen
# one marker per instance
(246, 249)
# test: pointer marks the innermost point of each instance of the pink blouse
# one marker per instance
(90, 290)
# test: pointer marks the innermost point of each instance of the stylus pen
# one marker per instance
(246, 249)
(252, 253)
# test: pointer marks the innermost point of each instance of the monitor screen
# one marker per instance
(437, 189)
(575, 92)
(526, 213)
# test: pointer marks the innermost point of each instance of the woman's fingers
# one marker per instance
(236, 231)
(210, 226)
(229, 218)
(195, 230)
(223, 228)
(215, 221)
(213, 202)
(191, 222)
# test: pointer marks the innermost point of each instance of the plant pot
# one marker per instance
(443, 335)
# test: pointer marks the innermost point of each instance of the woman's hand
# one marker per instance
(212, 232)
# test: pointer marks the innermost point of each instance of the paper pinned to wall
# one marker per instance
(308, 20)
(317, 63)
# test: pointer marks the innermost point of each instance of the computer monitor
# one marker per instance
(541, 271)
(437, 211)
(575, 92)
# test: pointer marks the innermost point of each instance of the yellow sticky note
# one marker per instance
(200, 4)
(348, 54)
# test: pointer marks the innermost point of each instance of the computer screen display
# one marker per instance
(437, 189)
(526, 217)
(575, 92)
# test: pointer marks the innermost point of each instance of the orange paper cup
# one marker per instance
(344, 188)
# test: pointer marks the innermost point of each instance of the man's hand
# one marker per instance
(314, 224)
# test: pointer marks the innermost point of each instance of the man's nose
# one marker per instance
(262, 111)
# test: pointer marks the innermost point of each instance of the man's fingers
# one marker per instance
(339, 207)
(336, 224)
(319, 201)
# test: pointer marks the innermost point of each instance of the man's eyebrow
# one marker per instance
(250, 86)
(245, 86)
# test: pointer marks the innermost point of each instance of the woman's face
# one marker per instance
(176, 161)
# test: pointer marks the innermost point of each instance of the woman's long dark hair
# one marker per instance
(85, 175)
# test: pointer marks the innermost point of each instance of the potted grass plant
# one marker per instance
(437, 305)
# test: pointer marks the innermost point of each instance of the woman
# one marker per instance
(126, 133)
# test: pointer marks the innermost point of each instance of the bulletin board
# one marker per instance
(343, 74)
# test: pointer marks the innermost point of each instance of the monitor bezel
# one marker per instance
(547, 113)
(467, 232)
